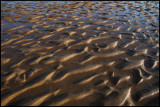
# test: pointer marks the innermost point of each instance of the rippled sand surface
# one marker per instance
(79, 53)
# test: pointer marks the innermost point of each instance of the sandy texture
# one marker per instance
(79, 53)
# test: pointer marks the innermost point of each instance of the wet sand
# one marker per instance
(79, 53)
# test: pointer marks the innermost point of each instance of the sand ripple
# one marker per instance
(73, 53)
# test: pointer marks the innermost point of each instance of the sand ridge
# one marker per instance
(79, 53)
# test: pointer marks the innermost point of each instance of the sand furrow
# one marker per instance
(125, 45)
(133, 64)
(14, 28)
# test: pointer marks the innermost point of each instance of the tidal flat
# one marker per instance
(79, 53)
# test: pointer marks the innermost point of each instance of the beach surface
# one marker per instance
(79, 53)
